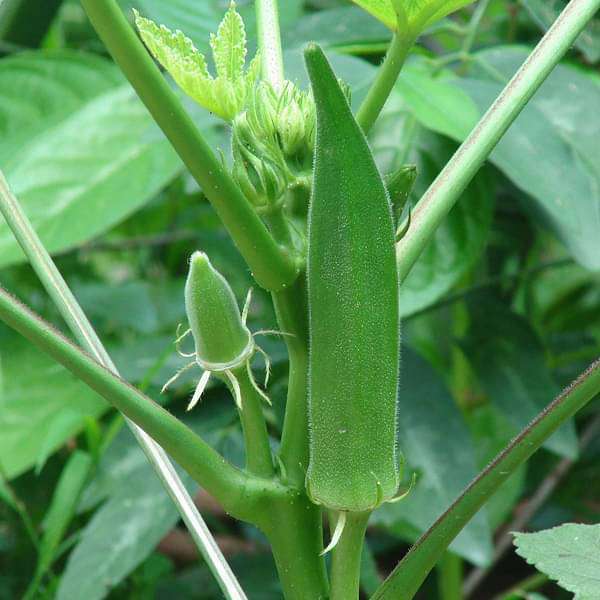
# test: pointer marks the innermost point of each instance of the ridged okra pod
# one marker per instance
(354, 317)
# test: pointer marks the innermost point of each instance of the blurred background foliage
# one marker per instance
(502, 309)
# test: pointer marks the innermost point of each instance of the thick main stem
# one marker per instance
(292, 315)
(345, 563)
(295, 531)
(271, 265)
(384, 81)
(462, 167)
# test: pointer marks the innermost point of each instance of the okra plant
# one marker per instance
(329, 238)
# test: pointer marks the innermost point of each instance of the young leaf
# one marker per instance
(416, 15)
(225, 95)
(570, 554)
(353, 302)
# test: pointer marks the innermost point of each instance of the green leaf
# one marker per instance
(353, 310)
(144, 512)
(417, 14)
(437, 445)
(62, 507)
(199, 19)
(229, 46)
(545, 12)
(34, 391)
(569, 554)
(225, 95)
(77, 147)
(550, 152)
(509, 360)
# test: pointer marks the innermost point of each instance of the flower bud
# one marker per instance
(220, 335)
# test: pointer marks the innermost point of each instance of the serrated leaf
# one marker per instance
(569, 554)
(418, 14)
(229, 46)
(224, 95)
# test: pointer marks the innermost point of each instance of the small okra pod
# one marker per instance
(354, 316)
(220, 335)
(222, 341)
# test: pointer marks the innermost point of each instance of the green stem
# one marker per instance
(271, 266)
(473, 26)
(295, 531)
(384, 81)
(83, 331)
(409, 574)
(269, 42)
(345, 563)
(259, 460)
(460, 170)
(450, 576)
(239, 493)
(292, 316)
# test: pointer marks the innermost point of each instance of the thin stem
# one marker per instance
(83, 331)
(292, 315)
(240, 494)
(269, 42)
(533, 582)
(345, 563)
(531, 507)
(450, 573)
(256, 439)
(271, 265)
(462, 167)
(384, 81)
(410, 573)
(473, 26)
(21, 509)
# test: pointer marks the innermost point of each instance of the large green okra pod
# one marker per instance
(354, 317)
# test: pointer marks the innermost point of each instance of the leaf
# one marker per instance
(545, 12)
(345, 28)
(509, 361)
(77, 147)
(143, 513)
(59, 427)
(133, 498)
(62, 507)
(35, 390)
(229, 46)
(199, 19)
(460, 240)
(569, 554)
(225, 95)
(418, 14)
(437, 446)
(353, 310)
(549, 152)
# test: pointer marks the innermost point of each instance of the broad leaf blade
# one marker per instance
(569, 554)
(77, 147)
(229, 46)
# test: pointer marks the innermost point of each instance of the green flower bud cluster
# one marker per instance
(273, 143)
